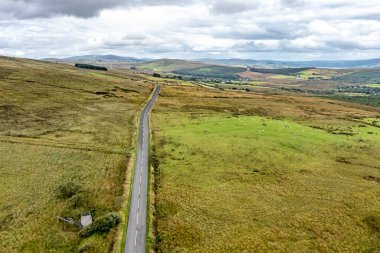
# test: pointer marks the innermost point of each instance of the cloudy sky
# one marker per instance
(270, 29)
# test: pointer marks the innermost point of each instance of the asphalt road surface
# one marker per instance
(136, 231)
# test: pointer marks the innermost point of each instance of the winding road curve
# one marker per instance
(136, 231)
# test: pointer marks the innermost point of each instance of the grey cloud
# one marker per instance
(288, 46)
(253, 46)
(289, 31)
(163, 49)
(126, 43)
(4, 44)
(26, 9)
(264, 31)
(343, 45)
(254, 35)
(239, 6)
(233, 6)
(134, 37)
(293, 3)
(246, 27)
(159, 2)
(371, 16)
(350, 45)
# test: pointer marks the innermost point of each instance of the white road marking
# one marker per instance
(145, 134)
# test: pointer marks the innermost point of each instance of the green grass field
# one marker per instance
(280, 77)
(253, 183)
(313, 73)
(59, 124)
(375, 85)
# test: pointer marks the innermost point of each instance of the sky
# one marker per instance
(192, 29)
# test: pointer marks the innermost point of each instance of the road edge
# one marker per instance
(150, 237)
(134, 151)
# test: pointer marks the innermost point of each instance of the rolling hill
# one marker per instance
(97, 58)
(175, 64)
(170, 65)
(286, 64)
(363, 76)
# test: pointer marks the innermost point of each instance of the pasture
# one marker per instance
(238, 172)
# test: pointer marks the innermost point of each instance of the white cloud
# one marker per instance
(192, 28)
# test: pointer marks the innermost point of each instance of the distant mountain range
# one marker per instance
(371, 63)
(98, 58)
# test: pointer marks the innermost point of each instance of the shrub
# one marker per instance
(76, 200)
(373, 221)
(101, 225)
(85, 247)
(154, 159)
(68, 189)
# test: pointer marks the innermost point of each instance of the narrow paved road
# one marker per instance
(136, 231)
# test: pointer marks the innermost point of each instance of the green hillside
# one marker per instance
(362, 76)
(169, 65)
(213, 71)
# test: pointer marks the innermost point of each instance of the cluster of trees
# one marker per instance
(352, 94)
(360, 89)
(366, 100)
(88, 66)
(341, 90)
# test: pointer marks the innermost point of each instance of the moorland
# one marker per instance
(244, 158)
(66, 139)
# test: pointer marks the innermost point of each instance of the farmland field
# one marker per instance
(238, 172)
(375, 85)
(61, 127)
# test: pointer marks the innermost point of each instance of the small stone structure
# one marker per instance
(85, 219)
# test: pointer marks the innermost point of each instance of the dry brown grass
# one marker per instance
(58, 123)
(288, 106)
